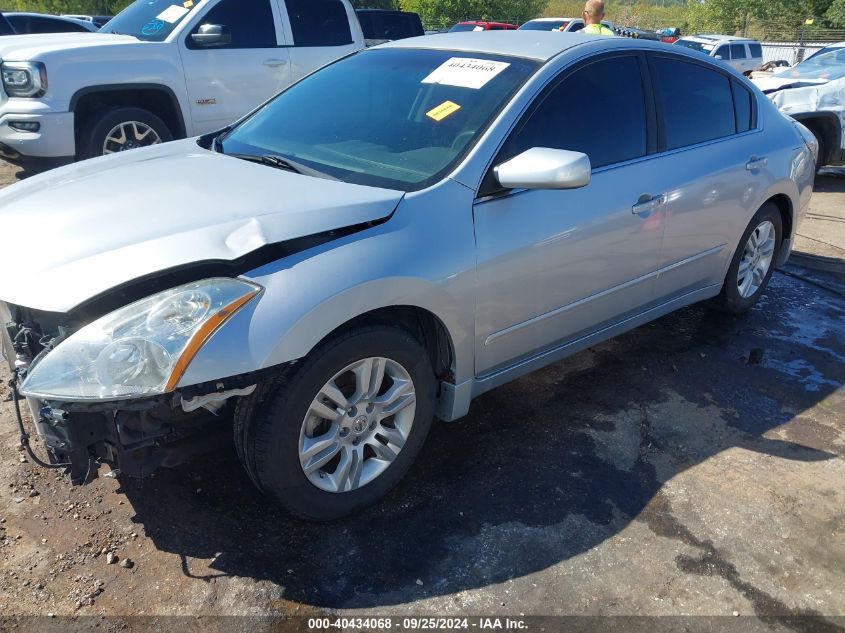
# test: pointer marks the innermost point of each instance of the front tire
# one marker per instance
(753, 262)
(337, 432)
(120, 129)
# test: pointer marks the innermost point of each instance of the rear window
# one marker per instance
(466, 27)
(389, 26)
(756, 50)
(742, 107)
(698, 104)
(544, 25)
(319, 23)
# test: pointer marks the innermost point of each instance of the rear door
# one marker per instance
(555, 265)
(319, 32)
(713, 161)
(740, 58)
(227, 80)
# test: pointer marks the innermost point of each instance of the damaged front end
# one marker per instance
(107, 391)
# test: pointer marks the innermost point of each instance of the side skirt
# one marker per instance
(455, 399)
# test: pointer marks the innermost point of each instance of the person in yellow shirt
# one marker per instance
(593, 15)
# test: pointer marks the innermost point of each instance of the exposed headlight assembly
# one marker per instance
(24, 79)
(140, 350)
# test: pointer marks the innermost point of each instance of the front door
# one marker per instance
(227, 80)
(555, 265)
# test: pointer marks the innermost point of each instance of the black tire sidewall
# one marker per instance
(279, 421)
(731, 299)
(102, 122)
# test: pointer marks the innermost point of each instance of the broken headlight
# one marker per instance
(140, 350)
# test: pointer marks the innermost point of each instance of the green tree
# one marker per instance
(442, 13)
(836, 13)
(766, 16)
(374, 4)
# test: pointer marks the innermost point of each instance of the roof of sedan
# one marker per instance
(537, 45)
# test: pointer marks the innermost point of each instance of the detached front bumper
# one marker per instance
(28, 130)
(134, 441)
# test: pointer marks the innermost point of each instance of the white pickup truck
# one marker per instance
(161, 69)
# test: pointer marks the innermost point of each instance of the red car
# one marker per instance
(482, 25)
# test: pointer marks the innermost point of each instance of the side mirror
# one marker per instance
(210, 35)
(720, 57)
(545, 168)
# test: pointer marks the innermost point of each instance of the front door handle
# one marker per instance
(274, 63)
(756, 163)
(648, 204)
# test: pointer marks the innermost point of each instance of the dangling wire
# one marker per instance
(13, 384)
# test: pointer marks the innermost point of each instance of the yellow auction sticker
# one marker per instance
(447, 108)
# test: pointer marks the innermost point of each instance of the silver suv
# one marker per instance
(326, 276)
(745, 55)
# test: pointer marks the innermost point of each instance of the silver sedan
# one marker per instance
(384, 241)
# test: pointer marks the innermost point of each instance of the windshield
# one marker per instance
(404, 119)
(544, 25)
(696, 46)
(149, 20)
(828, 66)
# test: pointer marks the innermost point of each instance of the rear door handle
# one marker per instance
(756, 163)
(649, 204)
(274, 63)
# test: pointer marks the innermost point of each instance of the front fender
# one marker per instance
(422, 257)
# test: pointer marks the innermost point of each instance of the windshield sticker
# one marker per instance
(188, 4)
(447, 108)
(464, 72)
(172, 14)
(151, 28)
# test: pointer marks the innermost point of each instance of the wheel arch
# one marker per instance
(157, 98)
(829, 126)
(784, 205)
(423, 324)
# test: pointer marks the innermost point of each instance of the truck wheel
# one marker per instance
(121, 129)
(337, 432)
(754, 261)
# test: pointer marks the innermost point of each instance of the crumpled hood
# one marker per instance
(807, 97)
(781, 82)
(78, 231)
(27, 47)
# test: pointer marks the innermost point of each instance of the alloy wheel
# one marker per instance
(357, 425)
(130, 135)
(756, 259)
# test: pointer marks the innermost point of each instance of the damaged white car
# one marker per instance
(813, 92)
(389, 238)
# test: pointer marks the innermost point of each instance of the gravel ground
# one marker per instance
(691, 467)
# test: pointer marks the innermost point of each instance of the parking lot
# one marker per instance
(691, 467)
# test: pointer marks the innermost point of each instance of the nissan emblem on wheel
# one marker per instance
(387, 239)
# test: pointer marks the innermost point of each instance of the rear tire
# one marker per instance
(753, 262)
(120, 129)
(278, 428)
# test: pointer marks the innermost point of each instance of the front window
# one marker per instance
(150, 20)
(827, 66)
(696, 46)
(406, 118)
